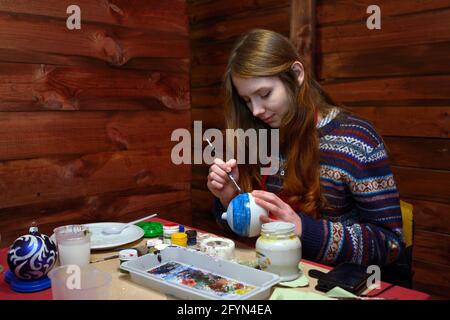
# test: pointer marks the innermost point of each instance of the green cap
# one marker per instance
(151, 229)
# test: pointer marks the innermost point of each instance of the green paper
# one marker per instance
(301, 281)
(338, 292)
(249, 263)
(292, 294)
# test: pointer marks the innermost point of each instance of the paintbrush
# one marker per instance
(142, 250)
(107, 258)
(228, 173)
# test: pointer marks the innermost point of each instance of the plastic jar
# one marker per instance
(168, 229)
(278, 250)
(152, 243)
(191, 237)
(218, 247)
(179, 239)
(151, 229)
(127, 255)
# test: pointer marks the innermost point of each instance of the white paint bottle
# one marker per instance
(279, 250)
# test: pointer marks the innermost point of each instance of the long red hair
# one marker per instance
(263, 53)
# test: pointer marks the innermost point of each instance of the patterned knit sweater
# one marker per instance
(365, 223)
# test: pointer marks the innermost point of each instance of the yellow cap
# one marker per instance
(179, 239)
(178, 236)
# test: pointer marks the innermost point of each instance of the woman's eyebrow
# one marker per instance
(259, 89)
(262, 88)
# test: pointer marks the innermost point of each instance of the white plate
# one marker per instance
(100, 240)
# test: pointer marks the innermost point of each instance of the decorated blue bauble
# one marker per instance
(243, 215)
(32, 256)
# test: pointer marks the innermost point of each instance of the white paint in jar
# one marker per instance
(76, 251)
(74, 244)
(279, 250)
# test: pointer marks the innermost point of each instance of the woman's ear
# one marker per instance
(297, 67)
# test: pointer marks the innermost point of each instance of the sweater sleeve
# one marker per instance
(371, 232)
(218, 210)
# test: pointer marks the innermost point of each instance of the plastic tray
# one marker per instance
(261, 280)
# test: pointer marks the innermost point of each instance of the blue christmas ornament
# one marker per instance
(243, 215)
(32, 256)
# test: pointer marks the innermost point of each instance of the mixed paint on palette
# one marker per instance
(199, 279)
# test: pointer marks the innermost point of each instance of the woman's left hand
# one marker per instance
(278, 208)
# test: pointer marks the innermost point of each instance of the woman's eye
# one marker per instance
(266, 95)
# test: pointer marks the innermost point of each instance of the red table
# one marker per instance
(386, 291)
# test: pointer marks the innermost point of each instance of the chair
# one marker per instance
(408, 234)
(408, 223)
(401, 273)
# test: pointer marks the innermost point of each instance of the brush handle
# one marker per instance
(229, 174)
(142, 219)
(235, 183)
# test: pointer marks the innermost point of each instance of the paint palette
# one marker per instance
(190, 274)
(203, 280)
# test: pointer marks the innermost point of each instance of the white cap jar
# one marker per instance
(168, 230)
(279, 250)
(127, 255)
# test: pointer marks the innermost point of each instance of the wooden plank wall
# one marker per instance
(399, 78)
(86, 115)
(215, 26)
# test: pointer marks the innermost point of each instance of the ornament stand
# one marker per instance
(27, 286)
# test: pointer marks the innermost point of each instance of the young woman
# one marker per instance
(334, 183)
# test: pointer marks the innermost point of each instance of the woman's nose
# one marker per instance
(258, 109)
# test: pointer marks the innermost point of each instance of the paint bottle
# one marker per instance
(279, 250)
(127, 255)
(168, 229)
(179, 239)
(152, 243)
(191, 237)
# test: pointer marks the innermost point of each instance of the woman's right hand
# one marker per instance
(219, 183)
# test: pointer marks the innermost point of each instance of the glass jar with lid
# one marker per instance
(279, 250)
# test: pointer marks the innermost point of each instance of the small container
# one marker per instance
(191, 237)
(217, 247)
(179, 239)
(152, 243)
(74, 245)
(127, 255)
(279, 250)
(161, 246)
(168, 229)
(151, 229)
(91, 283)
